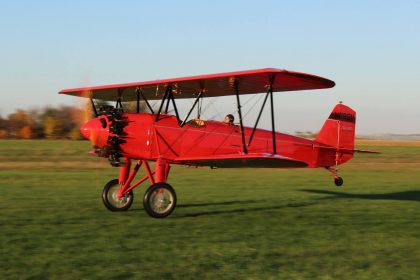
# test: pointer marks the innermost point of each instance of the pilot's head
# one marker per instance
(229, 119)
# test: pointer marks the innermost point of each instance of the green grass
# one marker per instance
(229, 224)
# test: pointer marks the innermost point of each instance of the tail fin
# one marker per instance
(339, 129)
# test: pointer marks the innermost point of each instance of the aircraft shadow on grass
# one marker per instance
(240, 210)
(404, 196)
(233, 202)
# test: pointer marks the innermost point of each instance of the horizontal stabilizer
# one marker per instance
(348, 151)
(359, 151)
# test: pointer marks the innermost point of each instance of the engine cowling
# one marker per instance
(106, 133)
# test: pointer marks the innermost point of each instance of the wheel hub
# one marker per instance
(161, 202)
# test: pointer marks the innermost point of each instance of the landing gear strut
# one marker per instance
(338, 181)
(159, 200)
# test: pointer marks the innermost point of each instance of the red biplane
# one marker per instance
(167, 139)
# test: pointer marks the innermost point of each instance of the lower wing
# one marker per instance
(242, 161)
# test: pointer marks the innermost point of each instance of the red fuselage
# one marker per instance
(147, 139)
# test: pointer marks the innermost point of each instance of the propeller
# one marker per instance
(105, 131)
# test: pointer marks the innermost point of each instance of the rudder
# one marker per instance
(338, 130)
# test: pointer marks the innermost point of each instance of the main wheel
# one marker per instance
(159, 200)
(338, 181)
(111, 200)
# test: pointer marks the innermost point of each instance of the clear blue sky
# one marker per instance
(371, 49)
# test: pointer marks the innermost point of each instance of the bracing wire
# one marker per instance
(249, 100)
(203, 110)
(210, 104)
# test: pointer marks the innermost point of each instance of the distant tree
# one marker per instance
(25, 132)
(4, 125)
(51, 129)
(53, 122)
(75, 134)
(56, 122)
(16, 121)
(35, 122)
(65, 119)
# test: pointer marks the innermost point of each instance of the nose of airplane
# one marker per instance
(91, 129)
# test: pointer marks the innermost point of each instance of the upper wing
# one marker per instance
(245, 160)
(249, 82)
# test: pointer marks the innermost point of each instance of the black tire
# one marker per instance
(110, 200)
(159, 200)
(338, 181)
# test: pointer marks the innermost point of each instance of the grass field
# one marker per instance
(229, 224)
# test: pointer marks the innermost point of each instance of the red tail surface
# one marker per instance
(339, 129)
(337, 137)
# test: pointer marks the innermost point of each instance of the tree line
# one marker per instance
(62, 122)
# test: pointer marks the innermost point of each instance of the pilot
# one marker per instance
(229, 119)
